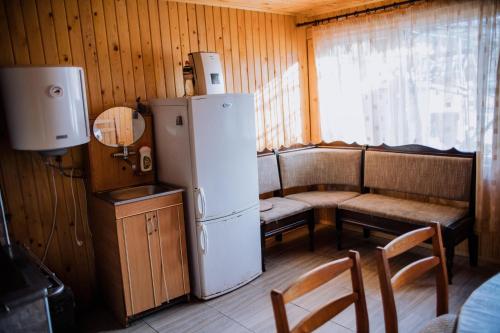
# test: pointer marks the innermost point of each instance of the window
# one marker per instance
(403, 77)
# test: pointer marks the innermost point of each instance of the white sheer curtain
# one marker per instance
(427, 74)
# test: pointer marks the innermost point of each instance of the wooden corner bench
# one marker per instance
(406, 187)
(382, 188)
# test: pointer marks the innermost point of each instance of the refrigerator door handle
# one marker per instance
(200, 203)
(203, 239)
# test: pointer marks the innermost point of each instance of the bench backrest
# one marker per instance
(320, 166)
(440, 176)
(269, 178)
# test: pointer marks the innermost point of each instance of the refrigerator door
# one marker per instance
(222, 133)
(229, 252)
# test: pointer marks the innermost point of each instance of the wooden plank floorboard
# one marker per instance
(249, 308)
(195, 317)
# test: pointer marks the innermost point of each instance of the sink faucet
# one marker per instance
(125, 156)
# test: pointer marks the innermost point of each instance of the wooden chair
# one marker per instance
(313, 280)
(412, 271)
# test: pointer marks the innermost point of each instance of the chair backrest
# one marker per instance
(420, 170)
(412, 271)
(320, 166)
(269, 178)
(315, 279)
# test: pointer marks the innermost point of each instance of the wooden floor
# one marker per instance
(248, 309)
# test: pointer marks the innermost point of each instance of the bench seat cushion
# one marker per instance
(403, 209)
(323, 199)
(281, 208)
(265, 205)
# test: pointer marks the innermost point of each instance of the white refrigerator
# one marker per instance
(207, 145)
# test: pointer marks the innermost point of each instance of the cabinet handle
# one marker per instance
(155, 218)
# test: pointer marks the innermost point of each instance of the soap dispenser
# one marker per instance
(145, 159)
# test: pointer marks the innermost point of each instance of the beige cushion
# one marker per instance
(318, 166)
(269, 179)
(282, 208)
(443, 324)
(265, 205)
(437, 176)
(403, 210)
(323, 199)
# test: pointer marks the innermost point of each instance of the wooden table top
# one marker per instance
(481, 311)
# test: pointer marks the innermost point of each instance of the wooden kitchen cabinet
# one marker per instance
(140, 251)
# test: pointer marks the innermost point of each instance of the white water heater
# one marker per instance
(208, 74)
(45, 107)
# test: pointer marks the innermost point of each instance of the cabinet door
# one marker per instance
(137, 273)
(174, 279)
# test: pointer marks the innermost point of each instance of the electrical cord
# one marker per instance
(62, 171)
(78, 241)
(57, 165)
(54, 218)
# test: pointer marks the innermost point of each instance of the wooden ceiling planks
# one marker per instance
(299, 8)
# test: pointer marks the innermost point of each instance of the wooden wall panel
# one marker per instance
(108, 173)
(176, 48)
(314, 119)
(39, 35)
(168, 32)
(131, 48)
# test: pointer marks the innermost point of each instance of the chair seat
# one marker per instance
(404, 210)
(281, 208)
(323, 199)
(442, 324)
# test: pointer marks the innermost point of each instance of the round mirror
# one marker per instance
(119, 127)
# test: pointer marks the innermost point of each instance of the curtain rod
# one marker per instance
(356, 13)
